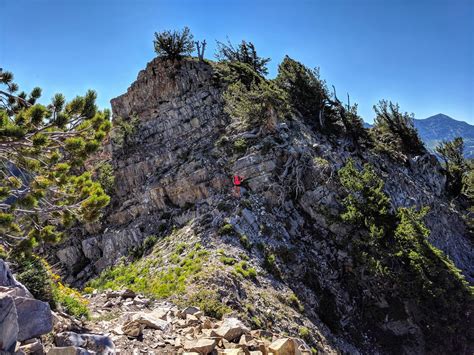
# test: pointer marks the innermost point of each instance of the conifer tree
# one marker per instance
(174, 44)
(451, 152)
(245, 53)
(394, 131)
(44, 186)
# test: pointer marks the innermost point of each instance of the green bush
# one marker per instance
(209, 302)
(226, 260)
(304, 333)
(150, 242)
(244, 240)
(244, 270)
(226, 229)
(106, 177)
(36, 275)
(295, 303)
(240, 146)
(33, 273)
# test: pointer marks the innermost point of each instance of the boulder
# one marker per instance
(34, 318)
(152, 320)
(189, 310)
(133, 329)
(284, 346)
(7, 279)
(33, 347)
(8, 323)
(230, 329)
(201, 346)
(98, 343)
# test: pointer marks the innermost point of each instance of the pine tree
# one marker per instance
(44, 186)
(174, 44)
(454, 164)
(245, 52)
(394, 131)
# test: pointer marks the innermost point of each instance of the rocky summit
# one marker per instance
(186, 260)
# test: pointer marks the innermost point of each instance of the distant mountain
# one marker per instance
(441, 127)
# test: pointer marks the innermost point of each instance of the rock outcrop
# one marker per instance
(173, 172)
(22, 318)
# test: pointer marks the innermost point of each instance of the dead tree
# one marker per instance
(201, 47)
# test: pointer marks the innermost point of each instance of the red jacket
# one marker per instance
(237, 180)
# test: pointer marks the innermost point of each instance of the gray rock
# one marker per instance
(7, 279)
(98, 343)
(34, 318)
(152, 320)
(8, 323)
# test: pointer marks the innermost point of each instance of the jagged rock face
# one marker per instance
(181, 112)
(171, 172)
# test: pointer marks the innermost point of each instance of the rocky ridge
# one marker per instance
(173, 180)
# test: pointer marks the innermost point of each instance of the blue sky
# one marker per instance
(419, 53)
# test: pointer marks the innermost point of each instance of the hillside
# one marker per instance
(275, 251)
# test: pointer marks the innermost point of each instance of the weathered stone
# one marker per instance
(133, 328)
(34, 318)
(8, 323)
(201, 346)
(189, 310)
(284, 346)
(94, 342)
(230, 329)
(152, 320)
(34, 347)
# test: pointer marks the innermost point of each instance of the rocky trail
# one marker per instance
(123, 322)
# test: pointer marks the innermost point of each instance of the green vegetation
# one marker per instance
(304, 333)
(43, 185)
(244, 270)
(106, 178)
(227, 260)
(295, 302)
(226, 229)
(309, 98)
(123, 131)
(394, 248)
(306, 91)
(240, 146)
(174, 44)
(209, 302)
(38, 278)
(394, 132)
(244, 53)
(454, 164)
(151, 276)
(244, 240)
(138, 251)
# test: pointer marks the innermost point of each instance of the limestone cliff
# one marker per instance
(173, 177)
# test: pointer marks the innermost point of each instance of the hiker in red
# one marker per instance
(237, 182)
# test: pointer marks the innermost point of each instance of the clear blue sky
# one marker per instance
(419, 53)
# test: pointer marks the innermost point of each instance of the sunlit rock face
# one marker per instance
(173, 179)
